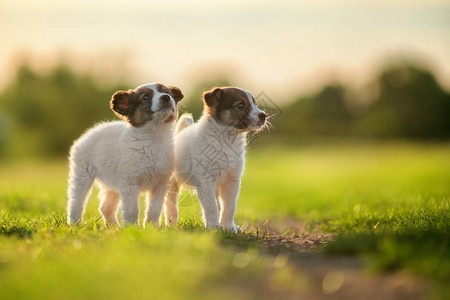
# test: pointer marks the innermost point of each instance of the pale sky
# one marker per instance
(279, 47)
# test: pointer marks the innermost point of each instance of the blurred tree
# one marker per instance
(41, 114)
(48, 111)
(322, 114)
(410, 104)
(329, 114)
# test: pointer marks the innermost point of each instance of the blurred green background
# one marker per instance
(330, 70)
(358, 148)
(42, 113)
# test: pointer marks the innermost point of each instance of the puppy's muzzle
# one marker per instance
(262, 118)
(165, 102)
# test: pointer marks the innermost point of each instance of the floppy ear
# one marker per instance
(212, 96)
(120, 103)
(176, 93)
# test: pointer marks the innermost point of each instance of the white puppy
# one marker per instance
(127, 157)
(209, 154)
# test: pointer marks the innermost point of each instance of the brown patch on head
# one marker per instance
(175, 92)
(162, 88)
(133, 106)
(229, 106)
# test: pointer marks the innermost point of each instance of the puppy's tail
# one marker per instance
(184, 121)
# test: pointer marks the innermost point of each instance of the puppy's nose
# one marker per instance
(262, 116)
(165, 98)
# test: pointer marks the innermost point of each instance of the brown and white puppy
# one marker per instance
(209, 155)
(127, 157)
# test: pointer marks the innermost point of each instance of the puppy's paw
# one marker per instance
(213, 226)
(233, 228)
(154, 223)
(73, 221)
(170, 223)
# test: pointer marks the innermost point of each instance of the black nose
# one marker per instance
(262, 116)
(165, 98)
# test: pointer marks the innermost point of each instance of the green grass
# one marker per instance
(387, 203)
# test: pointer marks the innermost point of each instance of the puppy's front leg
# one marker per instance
(229, 194)
(130, 205)
(207, 196)
(170, 205)
(155, 202)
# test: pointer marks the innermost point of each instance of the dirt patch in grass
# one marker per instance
(300, 270)
(289, 234)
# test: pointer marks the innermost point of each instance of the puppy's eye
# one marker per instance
(146, 97)
(240, 105)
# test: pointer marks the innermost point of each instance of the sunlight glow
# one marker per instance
(272, 46)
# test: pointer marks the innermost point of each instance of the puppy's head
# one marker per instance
(148, 102)
(234, 107)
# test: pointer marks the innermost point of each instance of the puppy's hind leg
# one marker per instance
(80, 183)
(170, 204)
(108, 205)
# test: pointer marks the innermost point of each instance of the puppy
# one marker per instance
(209, 154)
(127, 157)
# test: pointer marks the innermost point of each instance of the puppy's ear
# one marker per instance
(176, 93)
(120, 103)
(212, 96)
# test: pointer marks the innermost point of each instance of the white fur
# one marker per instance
(209, 157)
(125, 161)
